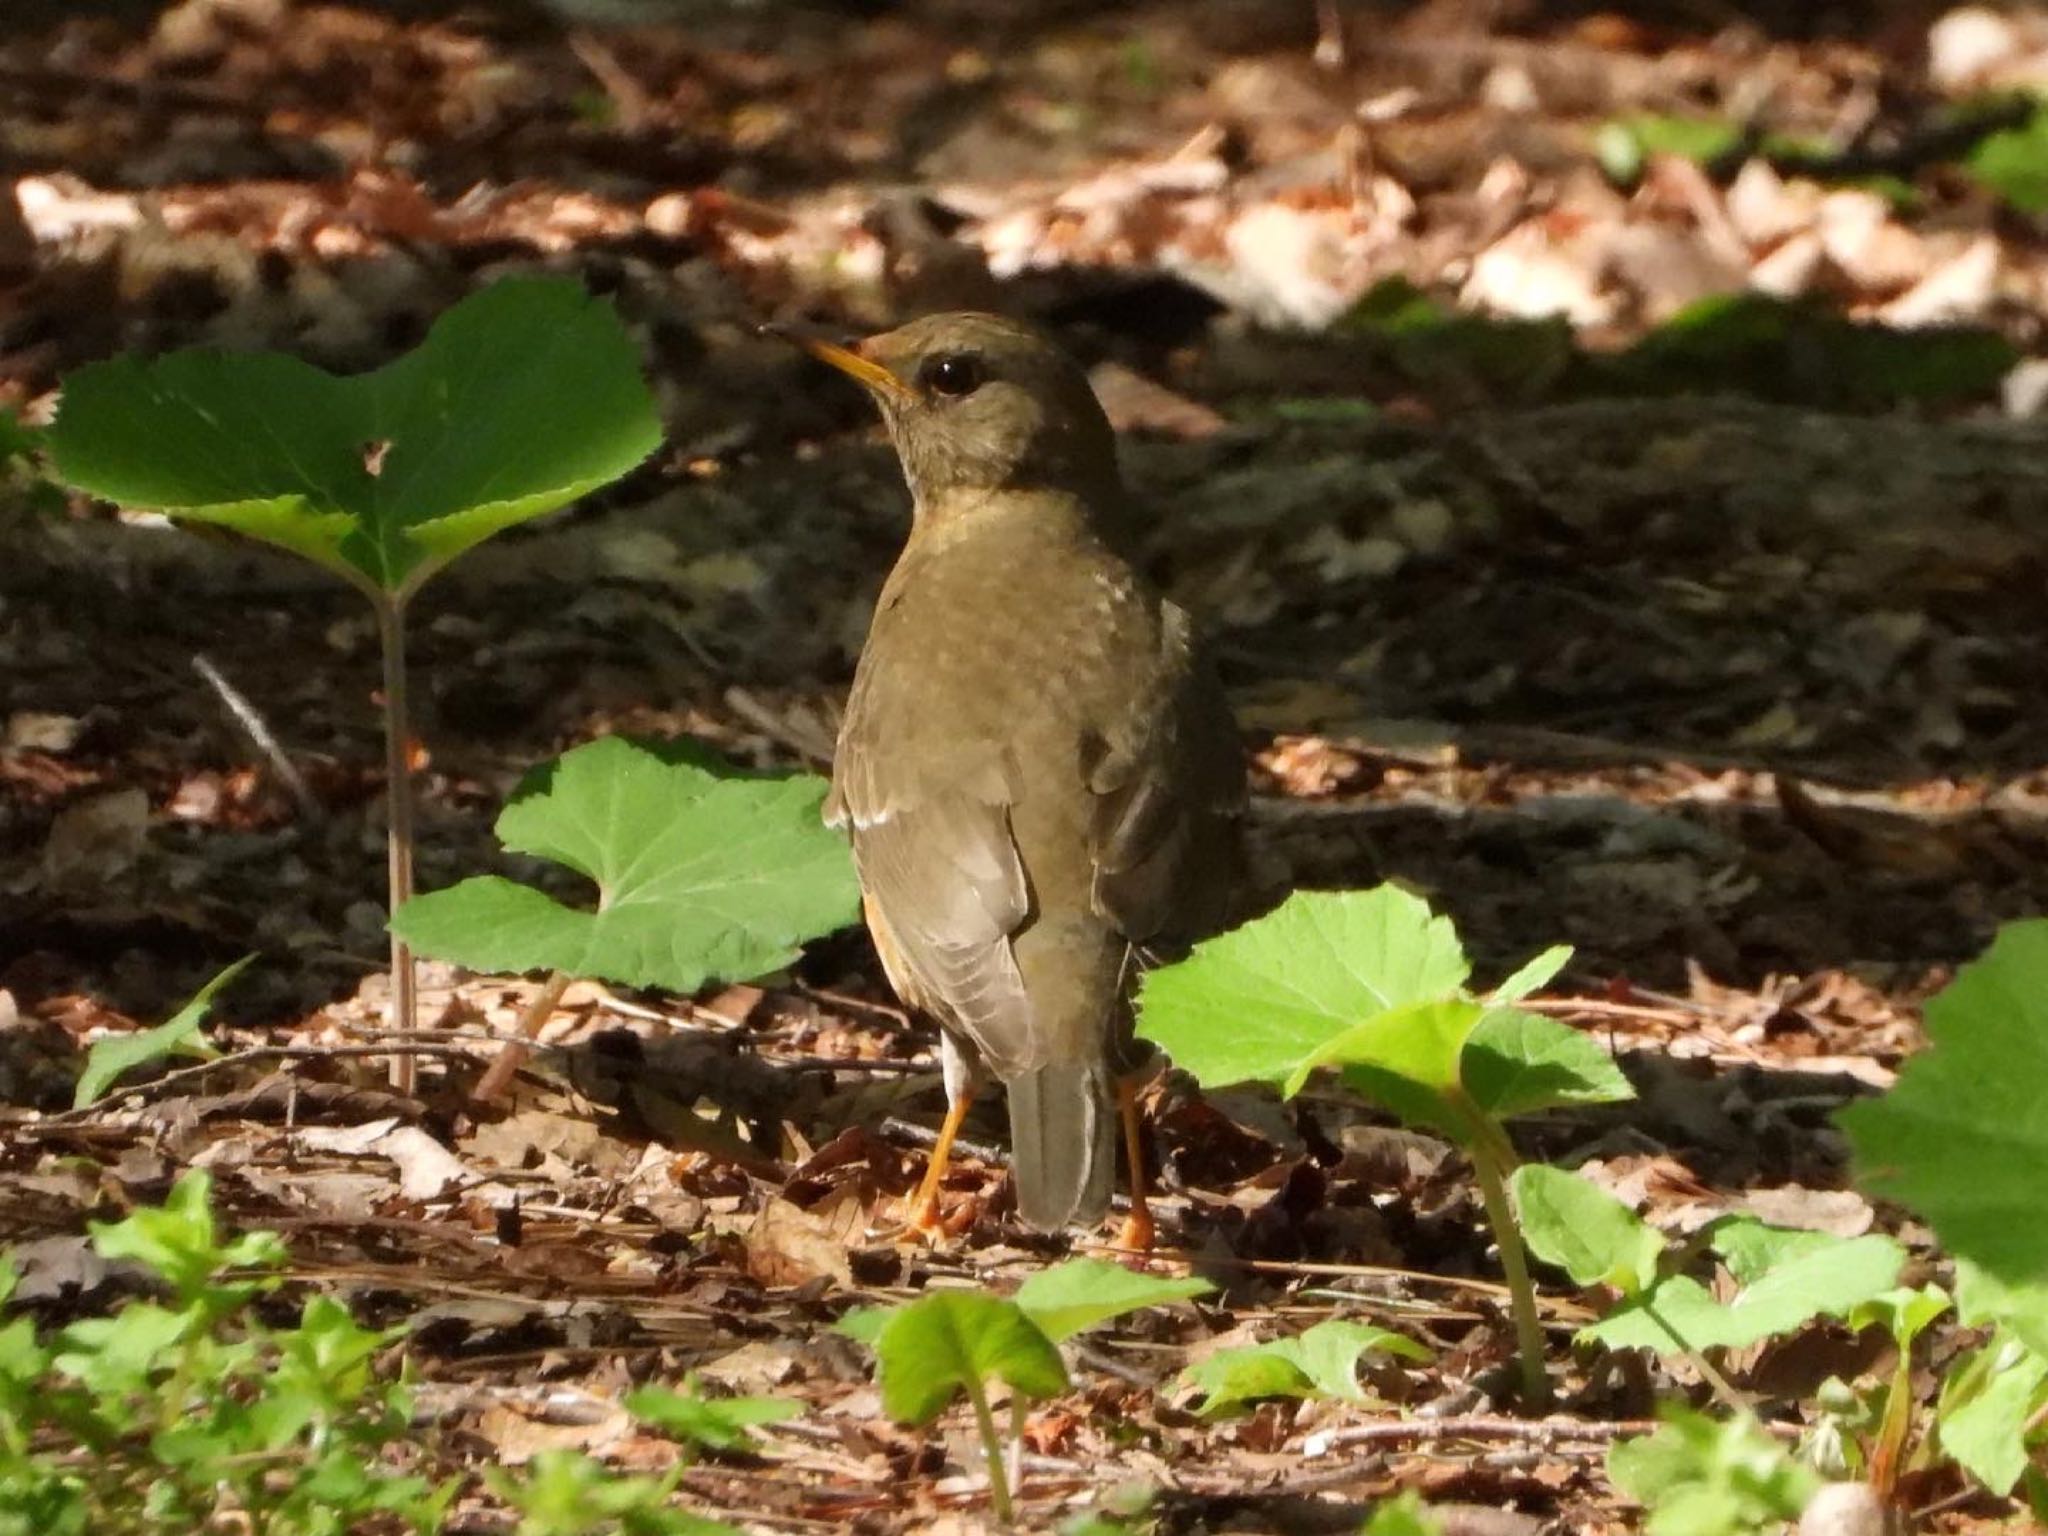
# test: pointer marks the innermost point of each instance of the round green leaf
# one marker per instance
(1256, 1003)
(702, 871)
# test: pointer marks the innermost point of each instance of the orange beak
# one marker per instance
(863, 370)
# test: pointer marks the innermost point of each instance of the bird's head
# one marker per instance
(978, 403)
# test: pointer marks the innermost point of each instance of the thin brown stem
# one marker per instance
(398, 798)
(501, 1072)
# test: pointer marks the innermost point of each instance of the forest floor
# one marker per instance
(1739, 692)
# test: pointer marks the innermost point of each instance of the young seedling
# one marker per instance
(180, 1413)
(703, 871)
(1319, 1363)
(1373, 984)
(522, 398)
(1701, 1476)
(566, 1493)
(1784, 1278)
(708, 1423)
(957, 1342)
(178, 1035)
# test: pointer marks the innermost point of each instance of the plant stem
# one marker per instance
(1724, 1389)
(512, 1055)
(991, 1451)
(1514, 1265)
(398, 800)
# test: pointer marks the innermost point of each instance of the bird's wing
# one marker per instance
(1170, 791)
(945, 891)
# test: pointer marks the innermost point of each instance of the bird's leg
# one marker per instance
(1137, 1231)
(922, 1214)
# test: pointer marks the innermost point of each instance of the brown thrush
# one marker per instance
(1039, 776)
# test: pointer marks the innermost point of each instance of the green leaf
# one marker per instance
(715, 1423)
(1421, 1044)
(1084, 1293)
(1404, 1514)
(1569, 1221)
(112, 1055)
(1982, 1298)
(1703, 1477)
(942, 1344)
(702, 871)
(1787, 1279)
(1962, 1136)
(522, 398)
(1256, 1003)
(1623, 144)
(1987, 1406)
(1903, 1313)
(1320, 1363)
(2013, 163)
(15, 439)
(864, 1325)
(1520, 1063)
(179, 1241)
(1533, 974)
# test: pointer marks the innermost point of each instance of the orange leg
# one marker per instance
(1137, 1232)
(923, 1212)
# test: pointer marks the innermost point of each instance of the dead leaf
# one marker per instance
(790, 1246)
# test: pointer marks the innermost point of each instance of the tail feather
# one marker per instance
(1062, 1144)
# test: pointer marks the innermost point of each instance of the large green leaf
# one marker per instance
(522, 398)
(1259, 1002)
(1085, 1293)
(942, 1344)
(702, 871)
(1962, 1136)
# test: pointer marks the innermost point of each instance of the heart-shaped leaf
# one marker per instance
(702, 871)
(522, 398)
(943, 1344)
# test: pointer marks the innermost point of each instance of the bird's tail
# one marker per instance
(1062, 1144)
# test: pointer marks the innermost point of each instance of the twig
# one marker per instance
(155, 1086)
(501, 1071)
(801, 737)
(258, 732)
(1547, 1434)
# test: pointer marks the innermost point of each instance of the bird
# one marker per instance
(1037, 768)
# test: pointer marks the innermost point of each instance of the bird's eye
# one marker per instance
(955, 374)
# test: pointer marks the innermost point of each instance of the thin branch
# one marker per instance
(259, 733)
